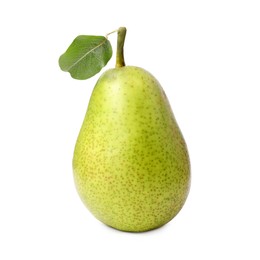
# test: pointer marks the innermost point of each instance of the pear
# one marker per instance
(131, 164)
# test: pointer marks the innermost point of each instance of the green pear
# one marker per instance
(131, 164)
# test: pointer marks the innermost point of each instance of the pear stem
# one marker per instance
(120, 61)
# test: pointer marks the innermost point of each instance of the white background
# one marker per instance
(206, 54)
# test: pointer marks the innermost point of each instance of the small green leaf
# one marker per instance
(86, 56)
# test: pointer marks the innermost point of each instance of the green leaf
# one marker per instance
(86, 56)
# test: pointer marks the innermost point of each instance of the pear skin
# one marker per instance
(131, 164)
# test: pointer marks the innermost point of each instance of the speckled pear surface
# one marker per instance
(131, 165)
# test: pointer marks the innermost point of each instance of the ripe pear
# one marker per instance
(131, 164)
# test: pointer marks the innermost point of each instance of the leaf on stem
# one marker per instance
(86, 56)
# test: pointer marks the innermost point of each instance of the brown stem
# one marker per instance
(120, 61)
